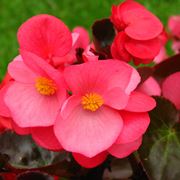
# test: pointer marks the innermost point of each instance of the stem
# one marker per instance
(138, 170)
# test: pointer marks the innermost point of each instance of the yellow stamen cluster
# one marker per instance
(92, 101)
(45, 86)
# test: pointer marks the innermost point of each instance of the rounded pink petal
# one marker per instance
(171, 88)
(141, 24)
(134, 126)
(133, 82)
(143, 49)
(99, 76)
(20, 72)
(44, 136)
(46, 36)
(29, 108)
(117, 12)
(161, 56)
(4, 111)
(90, 162)
(150, 87)
(174, 25)
(20, 130)
(124, 150)
(42, 68)
(116, 98)
(84, 132)
(139, 102)
(83, 39)
(118, 50)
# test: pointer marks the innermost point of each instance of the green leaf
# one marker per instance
(160, 151)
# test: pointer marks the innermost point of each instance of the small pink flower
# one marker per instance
(36, 95)
(103, 113)
(171, 88)
(47, 37)
(138, 33)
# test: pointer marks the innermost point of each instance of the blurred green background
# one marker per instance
(73, 12)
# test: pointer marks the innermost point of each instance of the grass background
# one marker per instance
(73, 12)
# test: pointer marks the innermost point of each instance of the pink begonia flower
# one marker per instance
(36, 95)
(43, 136)
(171, 88)
(138, 33)
(103, 112)
(47, 37)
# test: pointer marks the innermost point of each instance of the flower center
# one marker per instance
(45, 86)
(92, 101)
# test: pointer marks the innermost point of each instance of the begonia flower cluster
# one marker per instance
(91, 108)
(138, 33)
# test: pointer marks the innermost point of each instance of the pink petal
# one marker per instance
(174, 25)
(116, 98)
(29, 108)
(138, 61)
(20, 130)
(83, 132)
(41, 67)
(134, 126)
(130, 5)
(133, 82)
(88, 55)
(7, 78)
(141, 24)
(5, 123)
(150, 87)
(4, 111)
(143, 49)
(99, 76)
(161, 56)
(171, 88)
(118, 50)
(124, 150)
(176, 46)
(139, 102)
(44, 136)
(20, 72)
(117, 12)
(46, 36)
(83, 39)
(90, 162)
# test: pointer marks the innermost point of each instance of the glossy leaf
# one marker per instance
(160, 152)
